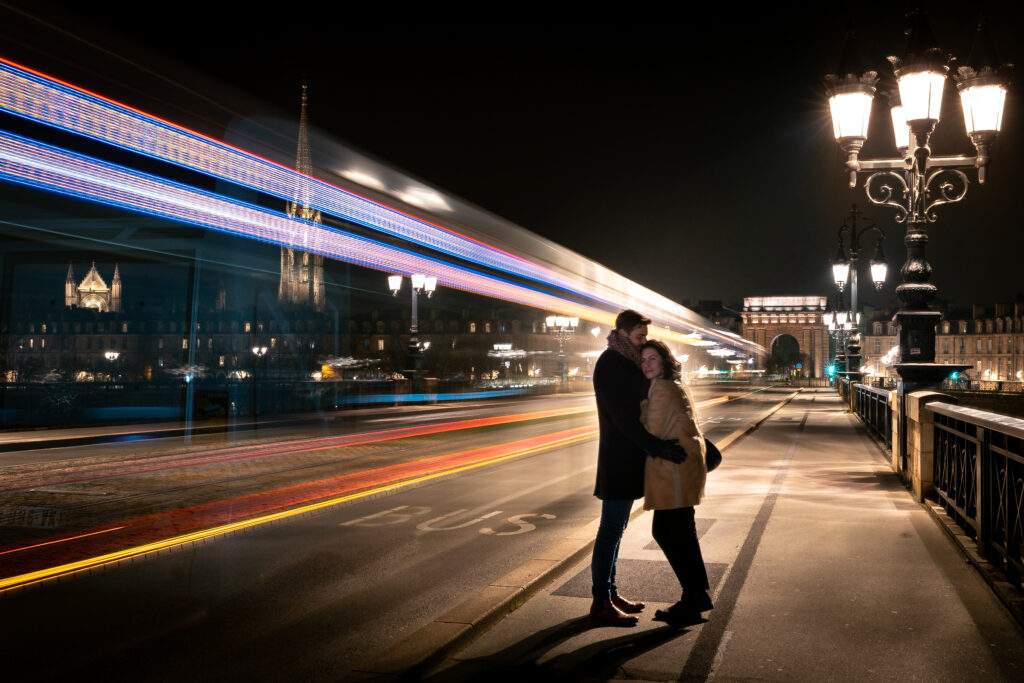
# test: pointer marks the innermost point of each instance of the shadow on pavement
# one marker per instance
(602, 660)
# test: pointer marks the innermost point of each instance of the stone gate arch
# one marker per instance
(765, 319)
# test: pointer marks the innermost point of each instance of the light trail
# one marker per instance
(59, 540)
(299, 499)
(74, 474)
(221, 517)
(54, 169)
(38, 97)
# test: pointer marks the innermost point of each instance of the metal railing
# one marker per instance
(872, 405)
(979, 478)
(993, 386)
(843, 386)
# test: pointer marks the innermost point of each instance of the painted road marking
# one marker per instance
(517, 520)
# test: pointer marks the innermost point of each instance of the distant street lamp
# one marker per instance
(258, 352)
(563, 328)
(845, 268)
(419, 282)
(112, 357)
(915, 183)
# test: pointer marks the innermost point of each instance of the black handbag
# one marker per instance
(713, 457)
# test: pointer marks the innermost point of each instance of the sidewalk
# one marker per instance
(822, 568)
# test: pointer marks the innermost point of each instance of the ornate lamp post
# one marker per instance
(426, 284)
(842, 326)
(563, 328)
(916, 182)
(845, 269)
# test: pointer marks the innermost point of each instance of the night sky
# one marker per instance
(695, 158)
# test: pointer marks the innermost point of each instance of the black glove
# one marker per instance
(670, 450)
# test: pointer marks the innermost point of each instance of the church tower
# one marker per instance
(115, 290)
(70, 289)
(302, 273)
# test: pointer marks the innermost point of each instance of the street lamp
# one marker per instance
(258, 352)
(844, 268)
(916, 183)
(563, 328)
(419, 282)
(112, 357)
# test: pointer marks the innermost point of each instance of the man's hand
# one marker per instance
(670, 450)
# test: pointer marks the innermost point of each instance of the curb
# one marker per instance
(1011, 597)
(422, 650)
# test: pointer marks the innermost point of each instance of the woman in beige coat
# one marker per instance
(673, 489)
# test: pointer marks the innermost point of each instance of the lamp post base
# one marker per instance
(917, 335)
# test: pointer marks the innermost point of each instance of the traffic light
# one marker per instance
(954, 376)
(831, 370)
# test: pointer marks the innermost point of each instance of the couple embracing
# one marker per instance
(651, 446)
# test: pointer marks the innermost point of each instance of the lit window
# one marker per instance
(380, 344)
(220, 361)
(273, 342)
(42, 328)
(184, 343)
(31, 343)
(248, 327)
(124, 328)
(42, 343)
(487, 328)
(472, 328)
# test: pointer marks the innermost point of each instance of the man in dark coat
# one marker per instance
(620, 386)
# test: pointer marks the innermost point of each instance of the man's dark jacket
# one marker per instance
(620, 386)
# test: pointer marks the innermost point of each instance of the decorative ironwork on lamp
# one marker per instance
(916, 183)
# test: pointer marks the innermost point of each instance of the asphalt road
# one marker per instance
(321, 594)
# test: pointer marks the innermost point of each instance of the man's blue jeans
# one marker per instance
(614, 517)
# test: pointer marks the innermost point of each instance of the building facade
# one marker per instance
(991, 342)
(92, 292)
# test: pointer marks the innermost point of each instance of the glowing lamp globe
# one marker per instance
(841, 273)
(879, 270)
(850, 107)
(921, 93)
(900, 130)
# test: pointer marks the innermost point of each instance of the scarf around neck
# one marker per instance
(620, 343)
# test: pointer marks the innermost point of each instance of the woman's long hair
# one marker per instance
(671, 368)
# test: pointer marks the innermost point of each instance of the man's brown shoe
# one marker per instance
(602, 610)
(627, 606)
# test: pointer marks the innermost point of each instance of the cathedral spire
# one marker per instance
(302, 274)
(299, 206)
(115, 290)
(303, 158)
(70, 289)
